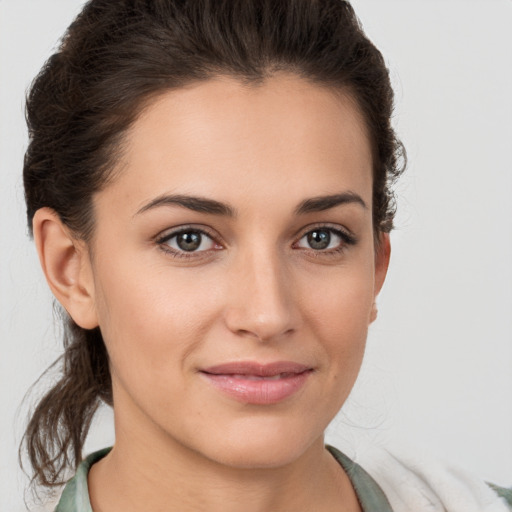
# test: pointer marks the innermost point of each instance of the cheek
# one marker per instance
(151, 317)
(341, 302)
(338, 311)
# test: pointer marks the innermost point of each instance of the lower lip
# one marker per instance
(258, 391)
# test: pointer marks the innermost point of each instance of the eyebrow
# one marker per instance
(197, 204)
(204, 205)
(321, 203)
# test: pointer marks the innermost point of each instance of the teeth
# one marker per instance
(276, 377)
(258, 377)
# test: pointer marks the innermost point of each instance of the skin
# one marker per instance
(254, 291)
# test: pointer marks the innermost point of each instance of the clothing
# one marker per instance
(421, 484)
(388, 484)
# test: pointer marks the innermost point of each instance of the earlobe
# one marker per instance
(66, 266)
(373, 312)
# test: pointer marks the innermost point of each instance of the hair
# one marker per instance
(117, 56)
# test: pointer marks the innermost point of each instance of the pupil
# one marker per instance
(189, 241)
(319, 239)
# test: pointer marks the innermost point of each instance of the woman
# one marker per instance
(208, 189)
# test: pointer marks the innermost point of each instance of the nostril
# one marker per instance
(260, 304)
(265, 333)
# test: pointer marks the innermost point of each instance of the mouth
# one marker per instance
(259, 384)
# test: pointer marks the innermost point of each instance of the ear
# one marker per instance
(382, 254)
(66, 265)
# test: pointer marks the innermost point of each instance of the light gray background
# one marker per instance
(438, 370)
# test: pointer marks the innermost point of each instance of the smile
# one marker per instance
(257, 377)
(258, 384)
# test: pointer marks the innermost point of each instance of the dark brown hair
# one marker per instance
(115, 57)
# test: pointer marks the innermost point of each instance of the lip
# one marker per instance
(255, 383)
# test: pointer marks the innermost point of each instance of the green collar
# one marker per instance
(370, 495)
(75, 497)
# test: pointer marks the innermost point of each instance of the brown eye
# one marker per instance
(319, 239)
(325, 239)
(189, 241)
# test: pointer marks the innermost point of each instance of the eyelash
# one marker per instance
(162, 242)
(347, 239)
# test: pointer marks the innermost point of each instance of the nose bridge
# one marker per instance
(261, 303)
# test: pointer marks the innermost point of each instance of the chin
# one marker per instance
(260, 445)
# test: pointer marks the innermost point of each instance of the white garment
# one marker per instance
(421, 484)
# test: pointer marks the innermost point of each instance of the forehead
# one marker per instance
(221, 137)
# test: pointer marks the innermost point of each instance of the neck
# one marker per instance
(149, 470)
(133, 480)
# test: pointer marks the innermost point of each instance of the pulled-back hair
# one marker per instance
(114, 58)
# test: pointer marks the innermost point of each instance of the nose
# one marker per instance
(261, 302)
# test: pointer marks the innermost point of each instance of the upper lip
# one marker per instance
(257, 369)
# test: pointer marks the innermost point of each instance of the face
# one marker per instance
(234, 268)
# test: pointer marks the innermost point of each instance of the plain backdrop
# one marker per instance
(437, 375)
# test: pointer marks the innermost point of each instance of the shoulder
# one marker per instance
(421, 483)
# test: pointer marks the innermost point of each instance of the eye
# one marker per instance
(187, 241)
(324, 239)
